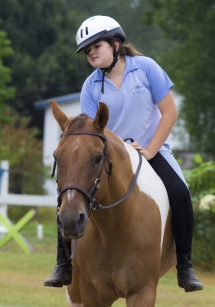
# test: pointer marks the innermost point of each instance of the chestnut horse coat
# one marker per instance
(122, 251)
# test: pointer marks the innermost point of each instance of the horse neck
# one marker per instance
(114, 188)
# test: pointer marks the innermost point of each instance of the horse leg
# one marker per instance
(84, 297)
(73, 294)
(70, 303)
(146, 297)
(91, 298)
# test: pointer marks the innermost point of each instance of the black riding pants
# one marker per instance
(180, 203)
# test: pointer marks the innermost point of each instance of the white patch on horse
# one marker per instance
(76, 147)
(73, 150)
(70, 303)
(70, 195)
(151, 184)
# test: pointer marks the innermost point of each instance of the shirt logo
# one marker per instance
(138, 88)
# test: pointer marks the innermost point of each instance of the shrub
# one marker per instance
(201, 183)
(204, 239)
(20, 145)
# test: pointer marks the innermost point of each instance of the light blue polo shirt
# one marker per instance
(133, 108)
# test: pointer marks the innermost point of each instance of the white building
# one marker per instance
(70, 105)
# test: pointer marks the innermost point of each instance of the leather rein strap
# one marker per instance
(99, 206)
(89, 195)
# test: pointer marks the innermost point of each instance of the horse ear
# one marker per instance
(101, 117)
(59, 115)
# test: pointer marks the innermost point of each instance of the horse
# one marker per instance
(116, 206)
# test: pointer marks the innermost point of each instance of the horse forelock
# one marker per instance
(77, 123)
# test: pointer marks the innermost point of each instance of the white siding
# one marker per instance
(179, 138)
(52, 135)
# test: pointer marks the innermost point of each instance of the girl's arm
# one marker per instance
(169, 116)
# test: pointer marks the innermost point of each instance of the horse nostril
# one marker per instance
(58, 221)
(81, 220)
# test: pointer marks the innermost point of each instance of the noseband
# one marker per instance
(89, 195)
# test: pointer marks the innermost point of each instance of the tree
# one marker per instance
(19, 145)
(6, 92)
(44, 64)
(190, 62)
(43, 33)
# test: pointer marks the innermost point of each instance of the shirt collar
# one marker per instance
(129, 66)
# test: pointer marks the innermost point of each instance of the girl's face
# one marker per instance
(100, 55)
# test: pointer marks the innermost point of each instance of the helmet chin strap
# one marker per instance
(108, 69)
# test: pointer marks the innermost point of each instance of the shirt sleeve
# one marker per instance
(88, 104)
(159, 82)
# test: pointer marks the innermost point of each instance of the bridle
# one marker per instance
(93, 204)
(89, 195)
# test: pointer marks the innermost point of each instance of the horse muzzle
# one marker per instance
(72, 227)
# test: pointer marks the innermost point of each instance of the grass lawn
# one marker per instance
(22, 277)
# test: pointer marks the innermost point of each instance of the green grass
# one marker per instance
(22, 277)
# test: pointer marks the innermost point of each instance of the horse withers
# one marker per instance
(122, 223)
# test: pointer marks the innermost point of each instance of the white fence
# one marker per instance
(7, 199)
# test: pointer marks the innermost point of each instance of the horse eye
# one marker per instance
(98, 159)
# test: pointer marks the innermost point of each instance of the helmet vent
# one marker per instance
(86, 30)
(81, 33)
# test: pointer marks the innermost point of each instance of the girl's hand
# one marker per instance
(144, 151)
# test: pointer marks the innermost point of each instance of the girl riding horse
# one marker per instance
(138, 94)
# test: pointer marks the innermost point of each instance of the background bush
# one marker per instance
(20, 146)
(201, 181)
(204, 239)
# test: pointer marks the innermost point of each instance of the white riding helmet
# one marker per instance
(97, 28)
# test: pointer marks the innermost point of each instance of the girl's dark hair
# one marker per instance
(125, 49)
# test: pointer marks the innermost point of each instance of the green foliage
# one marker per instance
(201, 183)
(45, 63)
(201, 180)
(21, 147)
(43, 34)
(190, 62)
(204, 240)
(6, 92)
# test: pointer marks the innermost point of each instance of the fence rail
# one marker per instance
(28, 200)
(7, 199)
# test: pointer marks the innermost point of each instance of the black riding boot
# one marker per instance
(186, 275)
(62, 274)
